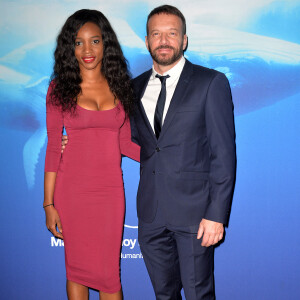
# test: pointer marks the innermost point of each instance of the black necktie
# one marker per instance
(159, 110)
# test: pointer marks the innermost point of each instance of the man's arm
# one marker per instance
(221, 138)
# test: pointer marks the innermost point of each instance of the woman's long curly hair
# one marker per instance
(66, 75)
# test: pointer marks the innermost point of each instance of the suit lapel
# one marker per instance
(178, 96)
(140, 90)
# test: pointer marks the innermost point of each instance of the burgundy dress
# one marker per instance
(89, 193)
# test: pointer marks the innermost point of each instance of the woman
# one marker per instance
(91, 96)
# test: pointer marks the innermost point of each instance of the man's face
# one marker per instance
(165, 40)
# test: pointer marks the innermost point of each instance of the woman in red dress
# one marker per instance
(91, 96)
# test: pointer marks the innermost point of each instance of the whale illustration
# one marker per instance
(261, 71)
(24, 109)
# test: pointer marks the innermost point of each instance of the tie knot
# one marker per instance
(162, 78)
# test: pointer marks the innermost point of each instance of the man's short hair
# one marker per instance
(169, 10)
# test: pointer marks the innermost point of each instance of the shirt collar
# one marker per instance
(173, 72)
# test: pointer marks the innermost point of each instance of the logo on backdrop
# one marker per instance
(127, 245)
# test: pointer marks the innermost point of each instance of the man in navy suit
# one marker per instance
(185, 127)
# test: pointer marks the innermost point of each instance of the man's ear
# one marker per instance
(146, 42)
(185, 42)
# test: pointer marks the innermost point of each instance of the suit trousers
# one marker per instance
(175, 258)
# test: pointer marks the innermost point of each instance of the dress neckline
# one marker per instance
(99, 110)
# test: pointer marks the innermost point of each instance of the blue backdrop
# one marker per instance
(257, 45)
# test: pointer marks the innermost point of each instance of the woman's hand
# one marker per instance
(53, 221)
(64, 142)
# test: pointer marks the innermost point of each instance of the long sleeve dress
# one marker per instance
(89, 192)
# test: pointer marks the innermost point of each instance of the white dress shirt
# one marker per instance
(153, 88)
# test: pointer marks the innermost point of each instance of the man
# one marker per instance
(184, 125)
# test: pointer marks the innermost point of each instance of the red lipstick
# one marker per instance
(89, 59)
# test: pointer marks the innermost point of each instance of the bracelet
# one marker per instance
(48, 205)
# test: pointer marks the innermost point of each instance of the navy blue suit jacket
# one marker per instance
(190, 169)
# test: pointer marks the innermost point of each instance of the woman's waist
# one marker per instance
(98, 175)
(92, 134)
(91, 151)
(87, 164)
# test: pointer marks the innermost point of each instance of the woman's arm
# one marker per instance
(52, 217)
(53, 155)
(127, 147)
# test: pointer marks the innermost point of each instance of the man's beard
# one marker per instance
(166, 61)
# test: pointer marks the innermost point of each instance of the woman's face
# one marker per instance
(89, 47)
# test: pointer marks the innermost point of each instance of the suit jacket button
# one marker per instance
(153, 172)
(157, 149)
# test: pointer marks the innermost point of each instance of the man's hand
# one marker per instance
(211, 231)
(64, 142)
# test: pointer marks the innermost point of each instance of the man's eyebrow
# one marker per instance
(167, 29)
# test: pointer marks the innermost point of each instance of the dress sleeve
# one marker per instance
(54, 120)
(128, 148)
